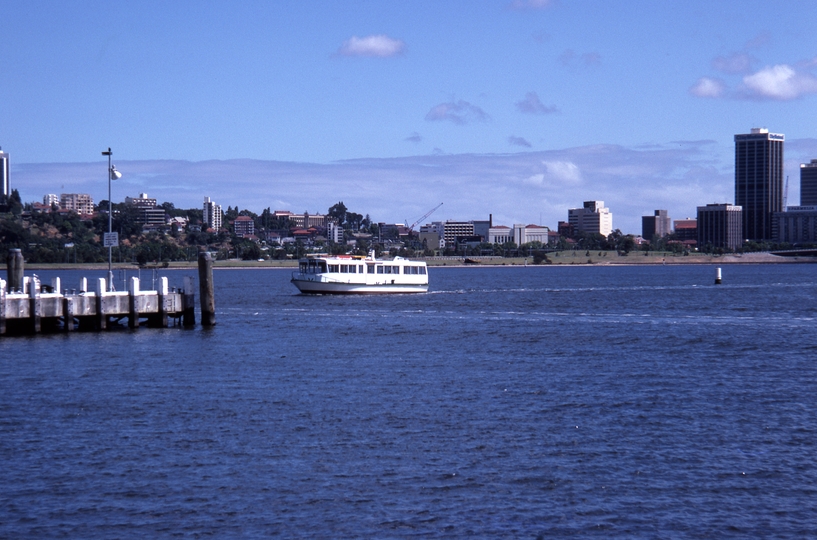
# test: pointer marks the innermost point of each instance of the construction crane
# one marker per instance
(411, 227)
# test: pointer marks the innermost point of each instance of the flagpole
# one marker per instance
(110, 221)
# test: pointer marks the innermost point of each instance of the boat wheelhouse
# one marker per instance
(351, 274)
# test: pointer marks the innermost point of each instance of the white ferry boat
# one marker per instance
(351, 274)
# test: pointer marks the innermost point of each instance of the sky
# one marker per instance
(519, 109)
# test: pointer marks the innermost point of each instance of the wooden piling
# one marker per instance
(101, 317)
(188, 303)
(68, 314)
(208, 302)
(35, 305)
(133, 303)
(15, 268)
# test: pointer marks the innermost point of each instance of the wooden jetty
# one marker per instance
(28, 306)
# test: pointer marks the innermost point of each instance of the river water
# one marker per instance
(515, 402)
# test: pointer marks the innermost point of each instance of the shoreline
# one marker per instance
(607, 259)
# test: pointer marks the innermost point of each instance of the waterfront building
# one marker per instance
(759, 181)
(797, 225)
(81, 203)
(212, 214)
(51, 199)
(808, 183)
(656, 225)
(720, 225)
(591, 218)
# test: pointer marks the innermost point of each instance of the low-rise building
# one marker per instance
(81, 203)
(720, 225)
(797, 225)
(244, 226)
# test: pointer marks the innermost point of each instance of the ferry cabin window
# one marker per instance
(344, 269)
(302, 267)
(380, 270)
(321, 266)
(422, 269)
(333, 268)
(371, 269)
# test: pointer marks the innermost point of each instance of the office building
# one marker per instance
(656, 225)
(457, 229)
(720, 225)
(759, 181)
(808, 183)
(797, 225)
(5, 182)
(592, 218)
(211, 214)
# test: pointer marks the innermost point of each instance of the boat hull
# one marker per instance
(322, 287)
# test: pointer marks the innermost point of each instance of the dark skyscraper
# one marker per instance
(759, 181)
(808, 183)
(658, 225)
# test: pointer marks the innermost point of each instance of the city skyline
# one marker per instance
(518, 108)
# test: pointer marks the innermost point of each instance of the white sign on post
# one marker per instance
(111, 239)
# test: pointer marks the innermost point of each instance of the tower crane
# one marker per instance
(411, 227)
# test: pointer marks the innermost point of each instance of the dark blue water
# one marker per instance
(506, 403)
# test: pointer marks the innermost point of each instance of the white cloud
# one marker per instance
(706, 87)
(459, 113)
(381, 46)
(532, 105)
(780, 82)
(563, 172)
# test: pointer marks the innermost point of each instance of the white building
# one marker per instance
(592, 218)
(334, 232)
(520, 234)
(51, 199)
(81, 203)
(212, 214)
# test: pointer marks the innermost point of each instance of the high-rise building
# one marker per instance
(591, 218)
(657, 225)
(720, 225)
(51, 199)
(808, 183)
(211, 214)
(759, 181)
(5, 186)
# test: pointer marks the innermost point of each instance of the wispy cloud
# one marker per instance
(706, 87)
(739, 62)
(414, 137)
(460, 112)
(531, 4)
(533, 105)
(570, 57)
(381, 46)
(519, 141)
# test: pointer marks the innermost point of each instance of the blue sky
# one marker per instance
(519, 108)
